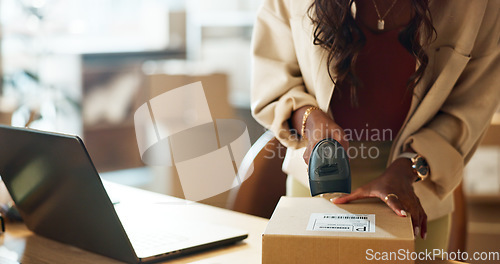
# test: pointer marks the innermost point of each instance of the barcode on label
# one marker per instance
(345, 217)
(334, 227)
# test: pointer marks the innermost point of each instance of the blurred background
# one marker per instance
(84, 66)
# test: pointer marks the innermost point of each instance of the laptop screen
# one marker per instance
(59, 193)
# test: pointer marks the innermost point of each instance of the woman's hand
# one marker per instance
(318, 127)
(398, 179)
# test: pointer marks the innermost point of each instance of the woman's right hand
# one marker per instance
(318, 127)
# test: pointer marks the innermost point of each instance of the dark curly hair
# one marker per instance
(337, 32)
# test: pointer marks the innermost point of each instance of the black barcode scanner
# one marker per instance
(329, 169)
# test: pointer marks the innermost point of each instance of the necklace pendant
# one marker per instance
(380, 24)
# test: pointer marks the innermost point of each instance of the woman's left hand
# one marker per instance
(397, 179)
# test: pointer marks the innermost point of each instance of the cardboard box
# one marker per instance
(492, 138)
(5, 118)
(215, 87)
(113, 147)
(492, 134)
(483, 229)
(313, 230)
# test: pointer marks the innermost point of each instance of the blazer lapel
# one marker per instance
(323, 85)
(448, 57)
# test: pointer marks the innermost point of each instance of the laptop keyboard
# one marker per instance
(152, 243)
(167, 228)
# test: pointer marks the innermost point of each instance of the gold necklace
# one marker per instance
(381, 22)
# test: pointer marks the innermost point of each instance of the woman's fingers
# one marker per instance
(418, 216)
(357, 194)
(422, 219)
(395, 204)
(415, 219)
(402, 209)
(424, 226)
(307, 153)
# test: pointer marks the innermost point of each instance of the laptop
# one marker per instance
(60, 195)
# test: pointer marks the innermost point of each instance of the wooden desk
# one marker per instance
(35, 249)
(20, 244)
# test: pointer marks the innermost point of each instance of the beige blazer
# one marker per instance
(451, 107)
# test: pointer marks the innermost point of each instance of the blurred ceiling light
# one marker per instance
(33, 23)
(38, 3)
(77, 27)
(149, 67)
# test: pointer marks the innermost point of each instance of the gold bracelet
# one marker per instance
(304, 119)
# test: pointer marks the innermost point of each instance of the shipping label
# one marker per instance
(342, 222)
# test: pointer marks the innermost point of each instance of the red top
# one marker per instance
(384, 67)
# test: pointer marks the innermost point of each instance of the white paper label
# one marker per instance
(342, 222)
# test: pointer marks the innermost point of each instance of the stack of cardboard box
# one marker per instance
(482, 209)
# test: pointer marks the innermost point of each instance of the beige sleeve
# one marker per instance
(451, 137)
(277, 85)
